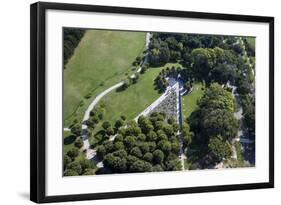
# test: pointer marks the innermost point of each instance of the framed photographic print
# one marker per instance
(129, 102)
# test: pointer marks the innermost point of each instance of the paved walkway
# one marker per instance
(91, 153)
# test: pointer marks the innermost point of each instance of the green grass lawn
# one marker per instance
(101, 59)
(134, 99)
(189, 102)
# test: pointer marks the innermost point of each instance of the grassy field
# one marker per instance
(189, 102)
(102, 59)
(134, 99)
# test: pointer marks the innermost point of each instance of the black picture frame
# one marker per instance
(38, 100)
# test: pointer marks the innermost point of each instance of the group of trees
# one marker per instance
(161, 82)
(74, 167)
(150, 144)
(204, 57)
(213, 123)
(71, 38)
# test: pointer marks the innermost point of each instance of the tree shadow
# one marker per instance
(69, 140)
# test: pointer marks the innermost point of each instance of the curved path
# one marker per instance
(91, 153)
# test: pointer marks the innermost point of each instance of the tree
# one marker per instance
(86, 165)
(66, 160)
(76, 129)
(106, 125)
(151, 136)
(109, 131)
(187, 135)
(70, 172)
(144, 146)
(101, 151)
(123, 117)
(79, 143)
(168, 129)
(118, 145)
(136, 152)
(216, 97)
(165, 146)
(140, 166)
(172, 120)
(220, 148)
(158, 156)
(119, 138)
(174, 165)
(120, 153)
(119, 123)
(133, 130)
(141, 137)
(157, 168)
(114, 163)
(249, 119)
(75, 166)
(175, 147)
(73, 153)
(129, 142)
(203, 61)
(148, 157)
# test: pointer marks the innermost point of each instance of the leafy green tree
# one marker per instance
(136, 152)
(175, 147)
(119, 138)
(129, 142)
(101, 151)
(144, 146)
(148, 157)
(119, 123)
(168, 129)
(220, 148)
(66, 160)
(120, 153)
(109, 131)
(203, 61)
(141, 137)
(140, 166)
(165, 146)
(86, 164)
(106, 125)
(73, 153)
(157, 168)
(151, 136)
(158, 156)
(174, 165)
(216, 97)
(75, 166)
(79, 143)
(76, 129)
(70, 172)
(123, 117)
(119, 146)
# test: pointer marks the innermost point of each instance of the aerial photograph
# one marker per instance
(137, 102)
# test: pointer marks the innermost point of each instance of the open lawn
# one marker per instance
(189, 101)
(101, 59)
(134, 99)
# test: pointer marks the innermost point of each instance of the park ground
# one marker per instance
(89, 71)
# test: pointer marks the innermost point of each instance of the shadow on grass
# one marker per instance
(69, 140)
